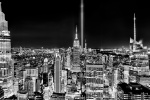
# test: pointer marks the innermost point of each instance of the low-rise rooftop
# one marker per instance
(133, 88)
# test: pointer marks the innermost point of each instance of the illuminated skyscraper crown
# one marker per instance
(76, 40)
(76, 37)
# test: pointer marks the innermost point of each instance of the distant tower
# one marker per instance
(5, 42)
(134, 28)
(76, 50)
(85, 48)
(76, 40)
(85, 45)
(82, 24)
(57, 74)
(134, 43)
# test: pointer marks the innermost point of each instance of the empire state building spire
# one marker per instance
(76, 37)
(76, 40)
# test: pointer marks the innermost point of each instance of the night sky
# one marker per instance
(107, 24)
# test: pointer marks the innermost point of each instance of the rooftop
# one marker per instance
(134, 88)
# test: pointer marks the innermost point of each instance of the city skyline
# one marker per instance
(51, 61)
(52, 24)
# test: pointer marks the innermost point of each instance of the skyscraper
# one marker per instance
(45, 72)
(76, 52)
(76, 42)
(5, 42)
(57, 74)
(94, 82)
(136, 46)
(6, 64)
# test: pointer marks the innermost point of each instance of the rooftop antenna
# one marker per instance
(76, 37)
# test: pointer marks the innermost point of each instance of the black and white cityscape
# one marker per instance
(38, 61)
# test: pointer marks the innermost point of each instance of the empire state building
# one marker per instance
(76, 42)
(76, 52)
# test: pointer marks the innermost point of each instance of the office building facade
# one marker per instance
(94, 82)
(57, 74)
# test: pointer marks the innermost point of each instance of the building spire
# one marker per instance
(85, 44)
(76, 37)
(134, 28)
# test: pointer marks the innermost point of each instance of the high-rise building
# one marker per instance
(38, 85)
(68, 61)
(57, 74)
(45, 72)
(140, 62)
(5, 42)
(45, 79)
(76, 53)
(94, 82)
(64, 81)
(126, 74)
(76, 42)
(33, 73)
(136, 46)
(29, 86)
(6, 64)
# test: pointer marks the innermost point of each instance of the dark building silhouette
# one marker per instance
(1, 93)
(45, 79)
(133, 91)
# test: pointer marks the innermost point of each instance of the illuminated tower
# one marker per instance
(76, 42)
(134, 43)
(6, 64)
(134, 28)
(82, 24)
(5, 42)
(57, 74)
(85, 48)
(76, 50)
(85, 45)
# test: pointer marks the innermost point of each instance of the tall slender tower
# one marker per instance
(82, 24)
(57, 74)
(85, 45)
(76, 42)
(134, 28)
(134, 42)
(76, 50)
